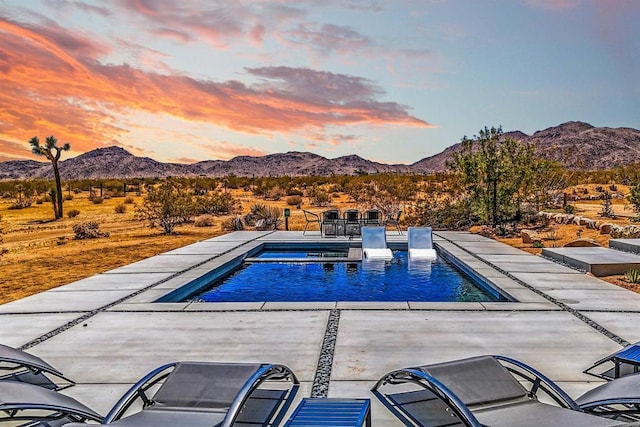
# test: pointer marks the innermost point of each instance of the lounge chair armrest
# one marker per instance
(266, 372)
(442, 392)
(137, 391)
(538, 381)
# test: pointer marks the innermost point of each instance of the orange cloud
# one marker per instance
(51, 82)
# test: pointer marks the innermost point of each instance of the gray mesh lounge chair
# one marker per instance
(18, 365)
(31, 405)
(483, 391)
(198, 394)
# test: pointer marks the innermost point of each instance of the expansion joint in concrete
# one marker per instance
(92, 313)
(595, 325)
(320, 387)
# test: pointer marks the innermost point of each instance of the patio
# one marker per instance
(105, 331)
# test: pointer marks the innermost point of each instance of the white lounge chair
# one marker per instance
(421, 243)
(374, 243)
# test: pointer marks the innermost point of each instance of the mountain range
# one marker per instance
(576, 145)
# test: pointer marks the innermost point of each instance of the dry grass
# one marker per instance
(43, 254)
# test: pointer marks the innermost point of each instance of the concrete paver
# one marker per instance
(372, 343)
(52, 302)
(19, 329)
(120, 347)
(111, 282)
(623, 324)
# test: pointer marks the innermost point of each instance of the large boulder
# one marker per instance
(529, 236)
(606, 228)
(582, 243)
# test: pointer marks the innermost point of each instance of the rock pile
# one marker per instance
(614, 230)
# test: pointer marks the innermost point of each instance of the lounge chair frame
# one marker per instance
(266, 372)
(625, 362)
(25, 367)
(51, 408)
(619, 409)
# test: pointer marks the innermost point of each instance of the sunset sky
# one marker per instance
(390, 80)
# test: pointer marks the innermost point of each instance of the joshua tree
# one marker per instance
(52, 152)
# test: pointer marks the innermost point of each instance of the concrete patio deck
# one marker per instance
(106, 332)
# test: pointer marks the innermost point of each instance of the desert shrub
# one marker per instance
(2, 250)
(216, 203)
(607, 208)
(233, 224)
(294, 192)
(120, 208)
(294, 200)
(68, 197)
(570, 209)
(128, 200)
(107, 196)
(537, 244)
(97, 200)
(446, 213)
(632, 276)
(167, 206)
(204, 221)
(73, 213)
(77, 190)
(320, 198)
(264, 217)
(7, 195)
(20, 204)
(88, 230)
(39, 201)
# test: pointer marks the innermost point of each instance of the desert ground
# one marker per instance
(41, 253)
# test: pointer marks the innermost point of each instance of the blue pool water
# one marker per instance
(397, 280)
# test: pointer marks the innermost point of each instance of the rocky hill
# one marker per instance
(574, 144)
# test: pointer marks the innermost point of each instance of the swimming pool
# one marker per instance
(330, 276)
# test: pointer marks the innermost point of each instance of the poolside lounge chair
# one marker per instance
(20, 366)
(192, 394)
(622, 362)
(374, 243)
(25, 404)
(488, 391)
(420, 243)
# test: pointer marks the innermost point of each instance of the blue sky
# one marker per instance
(390, 80)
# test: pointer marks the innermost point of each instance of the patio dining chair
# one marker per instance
(190, 394)
(496, 391)
(393, 220)
(311, 218)
(372, 217)
(20, 366)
